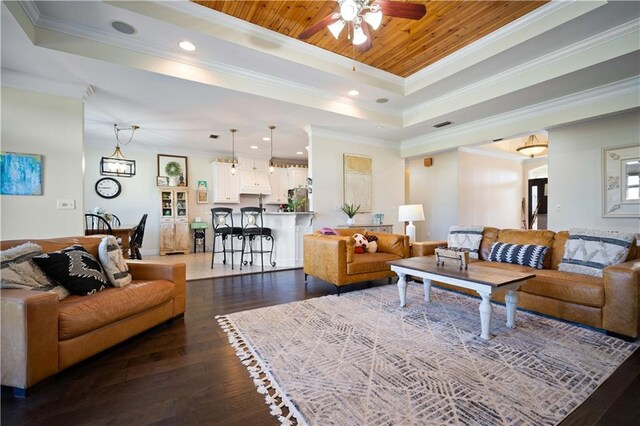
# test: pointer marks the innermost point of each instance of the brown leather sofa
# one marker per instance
(41, 336)
(332, 258)
(611, 303)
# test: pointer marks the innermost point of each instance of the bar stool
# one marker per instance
(252, 228)
(222, 229)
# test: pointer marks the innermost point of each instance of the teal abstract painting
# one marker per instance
(20, 174)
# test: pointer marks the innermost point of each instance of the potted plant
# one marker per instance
(350, 210)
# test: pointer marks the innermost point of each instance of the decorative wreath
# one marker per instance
(173, 169)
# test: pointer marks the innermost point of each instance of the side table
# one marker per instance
(199, 235)
(425, 248)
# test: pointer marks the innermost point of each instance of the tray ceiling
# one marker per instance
(400, 46)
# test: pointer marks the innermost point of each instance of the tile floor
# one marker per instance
(199, 266)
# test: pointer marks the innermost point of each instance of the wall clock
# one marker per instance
(108, 187)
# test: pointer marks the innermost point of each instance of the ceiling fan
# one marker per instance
(358, 15)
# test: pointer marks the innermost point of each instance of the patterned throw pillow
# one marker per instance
(526, 255)
(361, 240)
(467, 237)
(588, 252)
(75, 269)
(19, 271)
(115, 267)
(372, 244)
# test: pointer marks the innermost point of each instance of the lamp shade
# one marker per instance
(410, 213)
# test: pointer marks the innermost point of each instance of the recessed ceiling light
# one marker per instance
(379, 127)
(299, 152)
(353, 92)
(382, 100)
(123, 27)
(187, 45)
(266, 139)
(254, 146)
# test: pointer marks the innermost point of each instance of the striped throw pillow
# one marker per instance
(526, 255)
(465, 237)
(588, 252)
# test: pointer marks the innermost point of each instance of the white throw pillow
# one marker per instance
(113, 262)
(19, 271)
(588, 252)
(466, 237)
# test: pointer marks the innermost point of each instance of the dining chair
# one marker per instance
(115, 221)
(252, 228)
(222, 220)
(96, 224)
(135, 243)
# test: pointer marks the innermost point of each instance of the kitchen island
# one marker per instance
(288, 228)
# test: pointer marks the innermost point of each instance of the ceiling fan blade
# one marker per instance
(364, 47)
(321, 24)
(402, 10)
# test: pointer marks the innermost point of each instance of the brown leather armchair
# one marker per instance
(332, 258)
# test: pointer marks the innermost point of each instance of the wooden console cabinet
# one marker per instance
(174, 221)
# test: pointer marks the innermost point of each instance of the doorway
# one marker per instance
(537, 195)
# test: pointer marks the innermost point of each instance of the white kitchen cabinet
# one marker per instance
(297, 176)
(279, 181)
(174, 221)
(225, 185)
(254, 176)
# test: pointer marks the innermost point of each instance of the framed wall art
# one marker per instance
(621, 181)
(358, 180)
(175, 168)
(20, 174)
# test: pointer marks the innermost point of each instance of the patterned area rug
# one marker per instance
(359, 359)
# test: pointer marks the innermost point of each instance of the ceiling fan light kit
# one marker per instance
(359, 15)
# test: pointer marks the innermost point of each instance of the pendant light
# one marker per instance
(271, 167)
(116, 164)
(533, 146)
(233, 151)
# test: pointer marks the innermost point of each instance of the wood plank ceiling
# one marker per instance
(400, 46)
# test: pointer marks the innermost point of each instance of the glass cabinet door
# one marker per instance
(181, 204)
(167, 203)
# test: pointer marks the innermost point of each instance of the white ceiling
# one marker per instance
(245, 77)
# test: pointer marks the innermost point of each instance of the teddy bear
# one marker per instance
(360, 243)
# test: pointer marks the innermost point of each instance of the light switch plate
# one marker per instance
(66, 205)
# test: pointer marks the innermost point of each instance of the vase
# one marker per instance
(174, 180)
(350, 221)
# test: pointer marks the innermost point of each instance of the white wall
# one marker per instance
(53, 127)
(435, 188)
(489, 190)
(327, 169)
(575, 172)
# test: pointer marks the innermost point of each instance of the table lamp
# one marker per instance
(409, 213)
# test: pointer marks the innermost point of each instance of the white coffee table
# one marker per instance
(484, 280)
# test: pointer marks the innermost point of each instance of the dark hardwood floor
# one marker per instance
(186, 373)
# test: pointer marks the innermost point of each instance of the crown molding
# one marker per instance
(319, 132)
(606, 99)
(492, 153)
(607, 45)
(37, 83)
(258, 83)
(543, 19)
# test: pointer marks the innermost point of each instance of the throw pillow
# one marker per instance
(115, 267)
(328, 231)
(18, 270)
(588, 252)
(465, 237)
(526, 255)
(74, 268)
(358, 250)
(372, 245)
